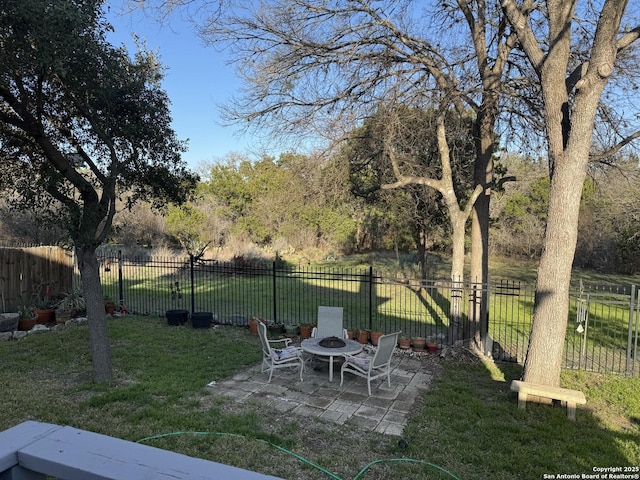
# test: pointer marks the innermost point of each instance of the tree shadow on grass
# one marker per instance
(470, 424)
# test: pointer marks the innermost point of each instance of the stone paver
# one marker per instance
(385, 411)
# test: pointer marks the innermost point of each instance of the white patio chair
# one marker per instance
(273, 358)
(372, 366)
(329, 323)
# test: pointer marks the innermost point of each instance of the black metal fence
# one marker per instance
(602, 333)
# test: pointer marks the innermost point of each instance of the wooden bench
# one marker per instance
(570, 397)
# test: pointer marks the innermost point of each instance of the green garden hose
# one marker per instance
(302, 459)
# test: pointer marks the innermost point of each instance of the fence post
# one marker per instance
(120, 280)
(370, 297)
(191, 279)
(632, 309)
(275, 309)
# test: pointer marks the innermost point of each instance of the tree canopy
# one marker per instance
(82, 124)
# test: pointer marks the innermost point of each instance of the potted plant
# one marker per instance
(404, 342)
(176, 316)
(69, 305)
(305, 331)
(291, 330)
(109, 304)
(28, 318)
(375, 335)
(43, 302)
(419, 343)
(253, 324)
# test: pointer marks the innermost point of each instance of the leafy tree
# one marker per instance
(185, 223)
(288, 198)
(81, 124)
(227, 183)
(522, 218)
(610, 218)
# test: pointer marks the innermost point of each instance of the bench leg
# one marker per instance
(571, 410)
(522, 400)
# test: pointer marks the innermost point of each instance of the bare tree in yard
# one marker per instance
(80, 124)
(399, 149)
(572, 86)
(458, 215)
(392, 213)
(325, 66)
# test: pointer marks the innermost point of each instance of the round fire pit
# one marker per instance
(332, 342)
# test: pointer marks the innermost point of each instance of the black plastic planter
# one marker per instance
(177, 317)
(201, 319)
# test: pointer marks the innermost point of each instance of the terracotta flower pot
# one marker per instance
(432, 347)
(27, 323)
(374, 337)
(44, 316)
(404, 343)
(253, 325)
(363, 336)
(419, 343)
(305, 331)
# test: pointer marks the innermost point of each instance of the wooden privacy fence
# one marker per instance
(25, 270)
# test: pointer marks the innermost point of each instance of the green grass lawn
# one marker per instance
(467, 426)
(390, 300)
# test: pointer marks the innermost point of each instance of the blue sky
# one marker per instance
(196, 80)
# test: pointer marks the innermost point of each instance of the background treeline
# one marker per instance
(303, 204)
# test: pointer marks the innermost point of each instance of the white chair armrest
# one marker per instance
(286, 341)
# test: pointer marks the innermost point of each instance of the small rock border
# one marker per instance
(40, 328)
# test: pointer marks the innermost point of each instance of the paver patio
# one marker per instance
(385, 411)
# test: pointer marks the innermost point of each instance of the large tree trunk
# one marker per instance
(479, 275)
(551, 308)
(421, 242)
(458, 221)
(569, 156)
(98, 332)
(569, 123)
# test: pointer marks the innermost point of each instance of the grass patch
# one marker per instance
(468, 424)
(389, 300)
(473, 405)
